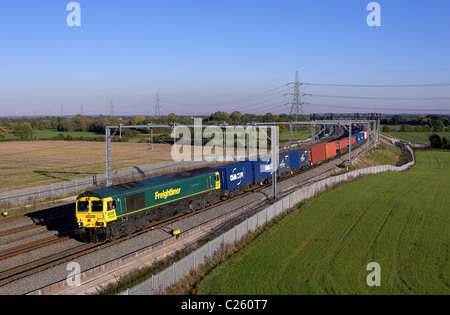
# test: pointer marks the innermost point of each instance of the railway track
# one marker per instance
(44, 263)
(33, 226)
(14, 251)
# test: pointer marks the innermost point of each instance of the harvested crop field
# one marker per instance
(26, 164)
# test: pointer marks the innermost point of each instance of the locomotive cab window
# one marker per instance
(83, 206)
(111, 205)
(97, 206)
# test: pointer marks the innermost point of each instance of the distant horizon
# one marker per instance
(187, 116)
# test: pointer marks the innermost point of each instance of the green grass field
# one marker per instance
(296, 135)
(399, 220)
(418, 137)
(51, 134)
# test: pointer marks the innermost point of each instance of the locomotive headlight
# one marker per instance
(80, 224)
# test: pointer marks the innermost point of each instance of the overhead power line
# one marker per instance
(377, 108)
(378, 85)
(382, 98)
(232, 102)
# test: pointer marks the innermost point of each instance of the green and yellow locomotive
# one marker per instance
(111, 212)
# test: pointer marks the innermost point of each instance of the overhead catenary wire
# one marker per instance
(230, 102)
(374, 108)
(274, 99)
(378, 85)
(381, 98)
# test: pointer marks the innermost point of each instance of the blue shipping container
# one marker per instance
(262, 168)
(284, 165)
(294, 159)
(359, 137)
(303, 157)
(235, 175)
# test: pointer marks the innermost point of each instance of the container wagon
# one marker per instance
(359, 138)
(234, 178)
(262, 169)
(294, 160)
(341, 144)
(303, 157)
(284, 165)
(317, 153)
(330, 150)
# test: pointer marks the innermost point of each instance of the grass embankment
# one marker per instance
(399, 220)
(385, 154)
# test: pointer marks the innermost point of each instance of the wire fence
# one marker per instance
(181, 269)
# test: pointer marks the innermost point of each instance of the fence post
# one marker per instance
(266, 213)
(174, 272)
(153, 284)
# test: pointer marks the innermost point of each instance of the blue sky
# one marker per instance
(209, 55)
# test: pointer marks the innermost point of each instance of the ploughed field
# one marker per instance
(398, 220)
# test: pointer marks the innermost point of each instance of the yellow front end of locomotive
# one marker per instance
(92, 212)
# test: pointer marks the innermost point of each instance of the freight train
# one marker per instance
(111, 212)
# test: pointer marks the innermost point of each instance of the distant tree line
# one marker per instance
(22, 127)
(417, 123)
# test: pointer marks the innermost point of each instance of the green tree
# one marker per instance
(397, 120)
(80, 123)
(445, 144)
(406, 128)
(437, 125)
(236, 117)
(24, 131)
(3, 133)
(269, 117)
(66, 125)
(436, 142)
(386, 128)
(172, 118)
(220, 117)
(139, 120)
